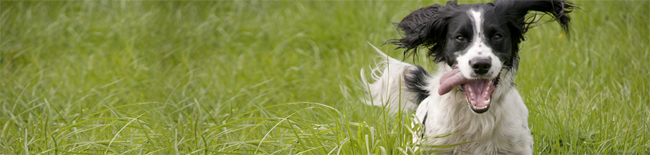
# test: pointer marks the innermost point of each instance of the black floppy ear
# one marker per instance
(425, 27)
(517, 9)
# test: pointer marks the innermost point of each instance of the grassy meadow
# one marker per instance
(282, 77)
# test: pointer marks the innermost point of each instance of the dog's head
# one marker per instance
(478, 41)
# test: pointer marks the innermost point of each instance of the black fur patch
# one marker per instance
(416, 81)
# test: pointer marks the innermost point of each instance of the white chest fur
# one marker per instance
(501, 130)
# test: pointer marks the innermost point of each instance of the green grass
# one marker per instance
(282, 77)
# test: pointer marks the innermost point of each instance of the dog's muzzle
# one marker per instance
(478, 91)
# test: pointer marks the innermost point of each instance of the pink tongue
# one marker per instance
(450, 80)
(479, 92)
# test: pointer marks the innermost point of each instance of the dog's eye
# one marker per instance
(460, 38)
(497, 37)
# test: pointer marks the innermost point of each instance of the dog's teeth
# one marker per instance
(487, 102)
(473, 103)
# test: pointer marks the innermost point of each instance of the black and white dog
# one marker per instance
(476, 50)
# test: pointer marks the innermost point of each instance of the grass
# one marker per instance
(282, 77)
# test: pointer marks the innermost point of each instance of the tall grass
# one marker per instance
(282, 77)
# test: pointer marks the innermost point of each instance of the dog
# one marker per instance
(471, 99)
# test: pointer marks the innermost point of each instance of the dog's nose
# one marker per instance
(481, 65)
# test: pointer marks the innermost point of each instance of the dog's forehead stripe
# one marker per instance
(477, 20)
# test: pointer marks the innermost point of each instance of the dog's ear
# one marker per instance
(518, 9)
(425, 27)
(515, 12)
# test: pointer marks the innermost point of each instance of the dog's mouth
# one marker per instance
(478, 91)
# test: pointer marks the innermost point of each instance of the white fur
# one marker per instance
(388, 74)
(503, 129)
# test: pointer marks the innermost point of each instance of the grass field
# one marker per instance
(282, 77)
